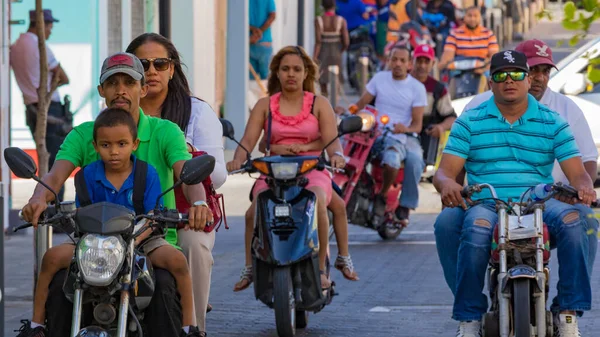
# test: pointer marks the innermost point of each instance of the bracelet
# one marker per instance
(341, 154)
(201, 203)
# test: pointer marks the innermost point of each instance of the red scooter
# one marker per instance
(362, 178)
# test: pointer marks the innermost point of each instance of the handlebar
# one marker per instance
(169, 217)
(557, 188)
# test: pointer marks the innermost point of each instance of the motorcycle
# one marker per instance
(461, 76)
(363, 177)
(434, 22)
(411, 35)
(107, 270)
(518, 272)
(361, 58)
(285, 243)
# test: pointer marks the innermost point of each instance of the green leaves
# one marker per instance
(569, 11)
(589, 5)
(594, 75)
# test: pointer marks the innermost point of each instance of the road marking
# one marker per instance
(410, 307)
(381, 242)
(403, 233)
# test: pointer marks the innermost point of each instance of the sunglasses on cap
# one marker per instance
(160, 63)
(501, 76)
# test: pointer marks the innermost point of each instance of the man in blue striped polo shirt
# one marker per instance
(511, 142)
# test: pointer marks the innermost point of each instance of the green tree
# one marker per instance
(579, 17)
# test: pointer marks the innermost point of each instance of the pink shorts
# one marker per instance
(316, 178)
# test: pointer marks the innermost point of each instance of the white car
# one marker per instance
(571, 79)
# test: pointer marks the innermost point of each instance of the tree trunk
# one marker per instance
(44, 94)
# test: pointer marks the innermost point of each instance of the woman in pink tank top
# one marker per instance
(300, 119)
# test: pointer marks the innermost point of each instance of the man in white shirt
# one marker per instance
(403, 99)
(25, 62)
(539, 58)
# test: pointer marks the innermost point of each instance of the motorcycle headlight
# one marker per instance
(100, 258)
(284, 171)
(368, 120)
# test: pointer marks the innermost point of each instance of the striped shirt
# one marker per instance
(510, 157)
(480, 43)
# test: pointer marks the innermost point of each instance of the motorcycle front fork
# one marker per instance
(504, 297)
(123, 304)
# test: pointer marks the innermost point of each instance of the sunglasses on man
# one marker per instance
(160, 63)
(501, 76)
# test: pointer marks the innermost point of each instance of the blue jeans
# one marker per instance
(260, 57)
(464, 250)
(411, 154)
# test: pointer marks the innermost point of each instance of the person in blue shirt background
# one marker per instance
(111, 179)
(262, 15)
(354, 11)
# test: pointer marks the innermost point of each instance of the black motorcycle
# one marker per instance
(107, 270)
(361, 59)
(285, 243)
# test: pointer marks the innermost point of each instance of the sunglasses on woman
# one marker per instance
(160, 63)
(501, 76)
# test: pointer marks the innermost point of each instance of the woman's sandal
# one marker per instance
(345, 265)
(245, 279)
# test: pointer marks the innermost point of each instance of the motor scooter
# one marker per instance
(462, 79)
(285, 242)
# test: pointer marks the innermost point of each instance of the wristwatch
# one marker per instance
(201, 203)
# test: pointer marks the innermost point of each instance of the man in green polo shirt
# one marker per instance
(162, 145)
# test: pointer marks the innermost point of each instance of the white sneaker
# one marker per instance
(567, 326)
(469, 329)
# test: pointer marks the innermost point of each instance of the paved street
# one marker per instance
(401, 291)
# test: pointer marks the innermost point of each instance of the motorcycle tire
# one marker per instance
(301, 319)
(388, 231)
(284, 302)
(491, 326)
(521, 307)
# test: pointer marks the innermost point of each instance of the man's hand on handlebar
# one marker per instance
(451, 196)
(33, 210)
(586, 195)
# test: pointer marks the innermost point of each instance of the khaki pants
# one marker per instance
(197, 247)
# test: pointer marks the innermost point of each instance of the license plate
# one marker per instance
(523, 229)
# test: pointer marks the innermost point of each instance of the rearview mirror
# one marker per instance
(228, 130)
(197, 169)
(350, 124)
(577, 84)
(20, 163)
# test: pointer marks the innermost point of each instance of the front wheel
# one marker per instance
(388, 230)
(521, 307)
(284, 302)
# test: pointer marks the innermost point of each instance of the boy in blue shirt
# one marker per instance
(111, 179)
